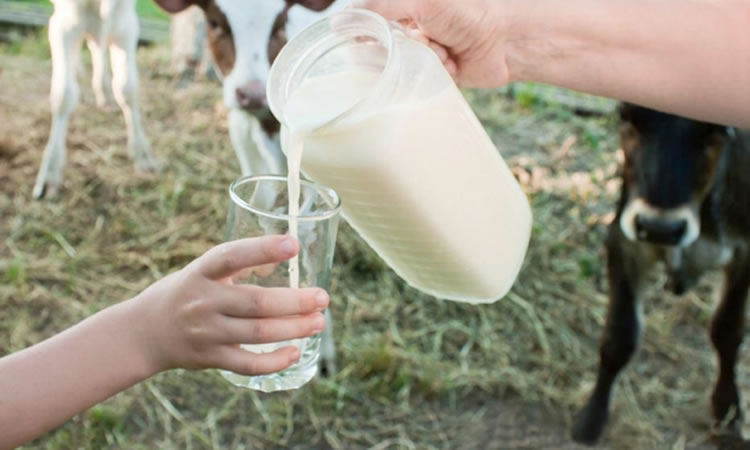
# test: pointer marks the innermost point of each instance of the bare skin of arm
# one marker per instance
(687, 57)
(192, 319)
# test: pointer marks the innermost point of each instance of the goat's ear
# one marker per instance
(315, 5)
(175, 6)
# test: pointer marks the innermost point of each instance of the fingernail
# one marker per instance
(321, 299)
(287, 246)
(320, 324)
(294, 355)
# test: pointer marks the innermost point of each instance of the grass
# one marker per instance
(148, 9)
(415, 372)
(145, 8)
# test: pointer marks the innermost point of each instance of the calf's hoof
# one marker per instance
(589, 426)
(327, 367)
(106, 104)
(729, 429)
(147, 164)
(731, 442)
(45, 189)
(726, 411)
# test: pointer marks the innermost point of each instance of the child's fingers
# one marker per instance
(265, 331)
(247, 301)
(229, 258)
(243, 362)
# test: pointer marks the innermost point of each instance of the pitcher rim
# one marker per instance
(302, 39)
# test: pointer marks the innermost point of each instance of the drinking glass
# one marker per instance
(258, 207)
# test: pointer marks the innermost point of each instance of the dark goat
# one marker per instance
(684, 203)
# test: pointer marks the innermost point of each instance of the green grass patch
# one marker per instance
(145, 8)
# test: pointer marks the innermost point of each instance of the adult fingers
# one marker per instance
(265, 331)
(390, 9)
(440, 51)
(247, 301)
(226, 259)
(244, 362)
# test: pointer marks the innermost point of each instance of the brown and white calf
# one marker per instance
(245, 36)
(685, 203)
(109, 27)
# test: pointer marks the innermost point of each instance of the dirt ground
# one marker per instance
(415, 372)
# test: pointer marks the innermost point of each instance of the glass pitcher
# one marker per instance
(383, 123)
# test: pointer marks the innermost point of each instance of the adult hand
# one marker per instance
(466, 35)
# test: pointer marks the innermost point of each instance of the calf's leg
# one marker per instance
(100, 77)
(65, 37)
(124, 41)
(620, 339)
(727, 328)
(257, 152)
(187, 29)
(327, 363)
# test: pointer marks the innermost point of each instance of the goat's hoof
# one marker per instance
(45, 189)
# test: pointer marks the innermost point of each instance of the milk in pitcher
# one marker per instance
(445, 219)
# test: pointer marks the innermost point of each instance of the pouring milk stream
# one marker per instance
(374, 115)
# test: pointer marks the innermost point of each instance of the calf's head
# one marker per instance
(245, 36)
(671, 164)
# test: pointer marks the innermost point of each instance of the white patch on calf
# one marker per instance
(640, 206)
(251, 22)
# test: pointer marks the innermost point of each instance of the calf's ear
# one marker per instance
(625, 112)
(175, 6)
(315, 5)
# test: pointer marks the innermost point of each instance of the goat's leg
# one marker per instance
(124, 41)
(100, 77)
(65, 44)
(727, 328)
(620, 339)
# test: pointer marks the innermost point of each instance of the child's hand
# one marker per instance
(196, 318)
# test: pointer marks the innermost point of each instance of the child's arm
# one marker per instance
(189, 319)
